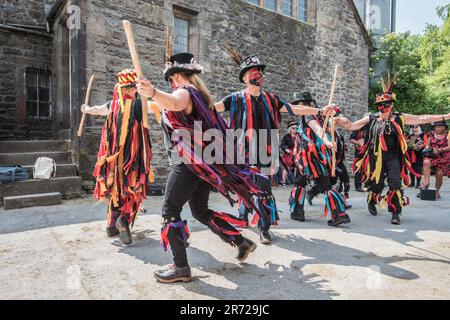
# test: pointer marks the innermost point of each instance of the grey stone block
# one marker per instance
(32, 200)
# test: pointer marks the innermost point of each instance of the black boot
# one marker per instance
(298, 213)
(124, 231)
(339, 220)
(309, 197)
(395, 219)
(245, 249)
(112, 231)
(372, 209)
(264, 237)
(174, 274)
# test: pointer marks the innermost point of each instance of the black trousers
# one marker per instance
(418, 168)
(344, 179)
(321, 184)
(184, 186)
(264, 222)
(391, 171)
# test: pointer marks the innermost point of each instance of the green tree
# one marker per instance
(421, 65)
(404, 62)
(435, 52)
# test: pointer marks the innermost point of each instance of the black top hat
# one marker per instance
(292, 124)
(303, 97)
(440, 123)
(249, 63)
(182, 62)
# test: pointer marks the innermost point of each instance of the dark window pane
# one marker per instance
(31, 75)
(31, 109)
(31, 93)
(44, 94)
(44, 110)
(43, 79)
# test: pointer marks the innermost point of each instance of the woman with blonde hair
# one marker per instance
(187, 109)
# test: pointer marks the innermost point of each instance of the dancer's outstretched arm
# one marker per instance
(411, 119)
(300, 110)
(179, 100)
(102, 110)
(303, 110)
(352, 126)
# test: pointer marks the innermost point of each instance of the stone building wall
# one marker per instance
(21, 49)
(299, 56)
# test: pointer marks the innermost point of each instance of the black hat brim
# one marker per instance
(295, 102)
(440, 124)
(171, 71)
(244, 70)
(383, 102)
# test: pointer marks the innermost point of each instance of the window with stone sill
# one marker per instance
(270, 5)
(302, 10)
(287, 8)
(38, 93)
(181, 32)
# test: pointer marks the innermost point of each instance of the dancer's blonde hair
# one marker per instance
(200, 85)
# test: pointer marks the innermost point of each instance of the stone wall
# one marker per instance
(299, 56)
(18, 51)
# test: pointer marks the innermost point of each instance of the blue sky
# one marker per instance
(413, 15)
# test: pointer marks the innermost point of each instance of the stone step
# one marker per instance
(34, 146)
(67, 186)
(28, 159)
(62, 170)
(32, 200)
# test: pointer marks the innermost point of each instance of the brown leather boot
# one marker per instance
(245, 249)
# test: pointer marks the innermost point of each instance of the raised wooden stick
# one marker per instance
(333, 139)
(330, 101)
(137, 66)
(86, 101)
(333, 125)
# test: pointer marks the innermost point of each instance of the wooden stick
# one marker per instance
(333, 139)
(137, 66)
(86, 101)
(330, 101)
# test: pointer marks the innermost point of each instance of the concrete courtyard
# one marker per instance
(62, 252)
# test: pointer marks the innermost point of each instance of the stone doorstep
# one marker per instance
(33, 146)
(32, 200)
(28, 159)
(68, 186)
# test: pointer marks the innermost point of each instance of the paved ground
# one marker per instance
(62, 252)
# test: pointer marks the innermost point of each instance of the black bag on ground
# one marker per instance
(155, 191)
(13, 174)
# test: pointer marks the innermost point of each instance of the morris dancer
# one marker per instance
(191, 176)
(313, 159)
(253, 110)
(384, 152)
(342, 179)
(123, 170)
